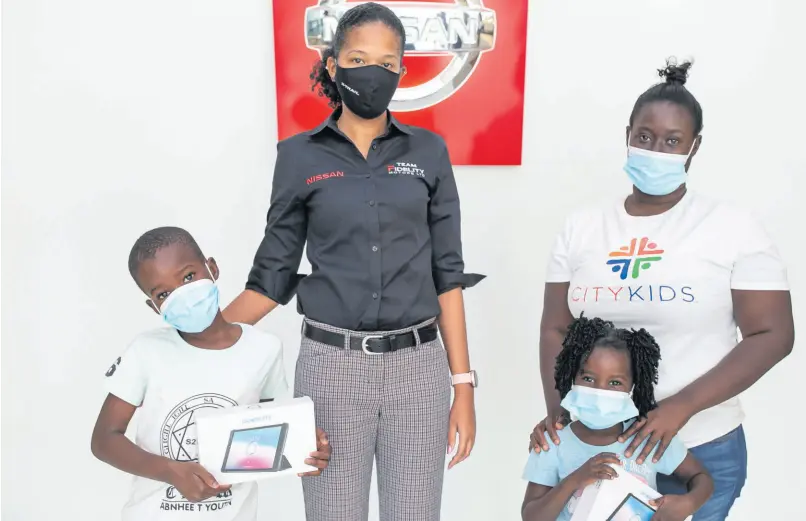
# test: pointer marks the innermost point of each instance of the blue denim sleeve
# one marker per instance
(672, 458)
(543, 468)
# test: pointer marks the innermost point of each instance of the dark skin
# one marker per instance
(377, 44)
(763, 317)
(172, 267)
(610, 369)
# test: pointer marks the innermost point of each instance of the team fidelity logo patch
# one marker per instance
(406, 169)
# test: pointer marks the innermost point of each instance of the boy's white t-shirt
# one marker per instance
(171, 381)
(671, 274)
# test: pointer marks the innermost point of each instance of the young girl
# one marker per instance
(606, 377)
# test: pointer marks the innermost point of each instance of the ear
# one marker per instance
(330, 65)
(213, 268)
(627, 135)
(152, 306)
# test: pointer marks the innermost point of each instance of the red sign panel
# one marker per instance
(465, 59)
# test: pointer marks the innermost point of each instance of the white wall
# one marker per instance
(121, 116)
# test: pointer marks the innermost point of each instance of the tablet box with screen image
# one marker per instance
(258, 449)
(258, 441)
(632, 509)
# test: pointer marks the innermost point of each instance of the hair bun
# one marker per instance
(675, 74)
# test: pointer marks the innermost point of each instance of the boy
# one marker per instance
(170, 374)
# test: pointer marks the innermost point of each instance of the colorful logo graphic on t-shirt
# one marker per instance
(628, 261)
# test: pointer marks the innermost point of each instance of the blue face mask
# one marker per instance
(656, 173)
(193, 307)
(598, 408)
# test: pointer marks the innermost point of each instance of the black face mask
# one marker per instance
(366, 90)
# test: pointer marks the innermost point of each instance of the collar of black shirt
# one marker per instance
(332, 123)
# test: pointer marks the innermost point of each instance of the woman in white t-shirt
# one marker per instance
(691, 271)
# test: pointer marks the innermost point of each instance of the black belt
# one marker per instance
(371, 344)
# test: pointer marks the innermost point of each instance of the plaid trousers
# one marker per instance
(392, 408)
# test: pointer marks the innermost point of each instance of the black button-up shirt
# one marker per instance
(383, 233)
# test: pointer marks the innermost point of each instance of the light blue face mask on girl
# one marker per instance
(193, 307)
(656, 173)
(599, 409)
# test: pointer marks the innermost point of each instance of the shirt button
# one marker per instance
(375, 295)
(372, 203)
(374, 146)
(374, 248)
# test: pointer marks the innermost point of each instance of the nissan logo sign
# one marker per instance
(463, 30)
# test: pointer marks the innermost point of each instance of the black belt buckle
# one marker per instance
(365, 341)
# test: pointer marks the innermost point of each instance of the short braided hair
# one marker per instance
(585, 334)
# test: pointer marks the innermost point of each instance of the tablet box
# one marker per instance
(252, 442)
(624, 498)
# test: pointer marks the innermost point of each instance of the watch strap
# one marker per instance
(464, 378)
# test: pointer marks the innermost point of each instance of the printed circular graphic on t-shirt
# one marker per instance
(178, 433)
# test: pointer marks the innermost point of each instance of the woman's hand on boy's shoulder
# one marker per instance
(321, 457)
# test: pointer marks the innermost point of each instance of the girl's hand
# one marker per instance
(596, 468)
(660, 426)
(672, 508)
(321, 457)
(463, 423)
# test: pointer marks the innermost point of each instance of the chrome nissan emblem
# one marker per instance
(463, 30)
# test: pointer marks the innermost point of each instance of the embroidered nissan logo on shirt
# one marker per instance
(326, 175)
(463, 30)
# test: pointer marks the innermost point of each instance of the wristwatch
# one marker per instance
(465, 378)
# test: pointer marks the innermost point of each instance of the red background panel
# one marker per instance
(482, 122)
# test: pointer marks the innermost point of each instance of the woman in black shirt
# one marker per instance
(377, 204)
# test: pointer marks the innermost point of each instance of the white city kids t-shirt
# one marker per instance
(171, 381)
(671, 274)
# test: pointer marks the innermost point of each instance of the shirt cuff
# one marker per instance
(280, 287)
(448, 280)
(760, 286)
(132, 397)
